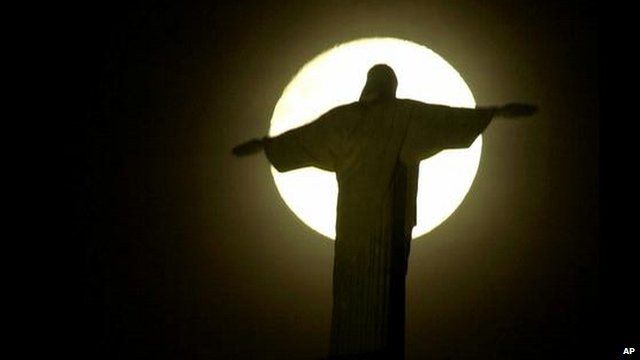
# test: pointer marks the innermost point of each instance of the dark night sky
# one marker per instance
(191, 254)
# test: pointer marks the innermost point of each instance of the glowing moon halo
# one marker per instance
(336, 77)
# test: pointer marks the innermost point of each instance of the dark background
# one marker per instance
(191, 254)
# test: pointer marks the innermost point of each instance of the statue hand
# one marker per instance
(517, 110)
(250, 147)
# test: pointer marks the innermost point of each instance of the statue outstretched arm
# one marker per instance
(250, 147)
(514, 110)
(313, 144)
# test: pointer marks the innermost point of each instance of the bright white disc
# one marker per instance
(336, 77)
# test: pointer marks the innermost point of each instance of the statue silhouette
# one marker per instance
(374, 146)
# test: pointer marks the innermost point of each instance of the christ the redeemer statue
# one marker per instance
(375, 146)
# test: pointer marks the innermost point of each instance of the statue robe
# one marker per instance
(375, 150)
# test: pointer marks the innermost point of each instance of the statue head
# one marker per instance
(381, 84)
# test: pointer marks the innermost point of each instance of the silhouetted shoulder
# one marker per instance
(343, 110)
(318, 143)
(339, 118)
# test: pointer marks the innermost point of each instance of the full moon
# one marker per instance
(336, 77)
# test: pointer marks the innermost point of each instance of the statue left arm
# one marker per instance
(309, 145)
(250, 147)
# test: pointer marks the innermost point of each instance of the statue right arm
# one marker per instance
(514, 110)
